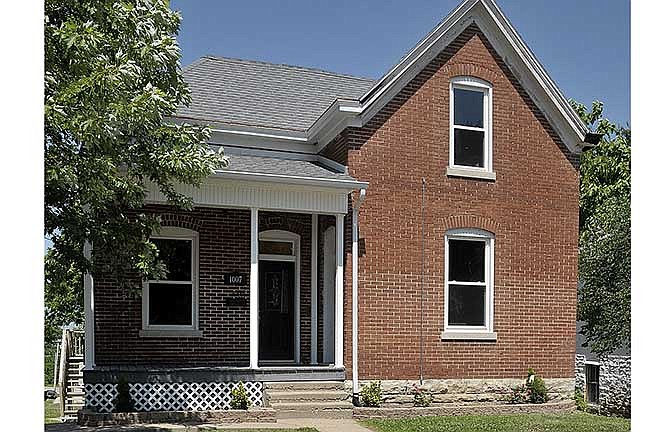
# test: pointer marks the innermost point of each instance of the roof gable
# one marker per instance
(514, 52)
(308, 107)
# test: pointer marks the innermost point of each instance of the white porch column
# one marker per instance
(89, 314)
(253, 292)
(314, 294)
(339, 292)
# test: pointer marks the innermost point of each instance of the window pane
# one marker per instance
(466, 305)
(170, 304)
(468, 108)
(276, 248)
(466, 260)
(176, 254)
(468, 147)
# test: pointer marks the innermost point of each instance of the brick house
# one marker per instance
(422, 226)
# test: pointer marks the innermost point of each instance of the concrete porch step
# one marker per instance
(307, 396)
(333, 410)
(304, 386)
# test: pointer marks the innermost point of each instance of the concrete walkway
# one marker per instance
(322, 425)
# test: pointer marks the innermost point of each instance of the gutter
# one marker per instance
(354, 295)
(297, 180)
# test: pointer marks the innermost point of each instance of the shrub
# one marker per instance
(422, 397)
(240, 399)
(371, 394)
(580, 401)
(123, 401)
(538, 391)
(532, 391)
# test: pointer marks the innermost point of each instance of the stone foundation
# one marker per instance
(458, 391)
(555, 407)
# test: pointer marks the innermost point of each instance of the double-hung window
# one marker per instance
(470, 150)
(469, 285)
(169, 305)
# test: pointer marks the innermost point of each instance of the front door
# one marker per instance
(276, 295)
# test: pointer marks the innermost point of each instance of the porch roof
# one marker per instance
(314, 171)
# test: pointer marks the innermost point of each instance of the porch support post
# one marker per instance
(339, 292)
(354, 294)
(253, 293)
(89, 313)
(314, 294)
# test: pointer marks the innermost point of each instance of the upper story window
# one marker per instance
(170, 304)
(470, 128)
(468, 285)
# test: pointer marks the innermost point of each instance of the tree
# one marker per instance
(604, 244)
(112, 75)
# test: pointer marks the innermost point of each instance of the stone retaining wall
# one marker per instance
(560, 406)
(614, 384)
(258, 415)
(458, 391)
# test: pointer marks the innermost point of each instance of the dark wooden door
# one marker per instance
(276, 295)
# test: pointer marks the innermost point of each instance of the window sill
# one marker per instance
(474, 336)
(471, 173)
(171, 333)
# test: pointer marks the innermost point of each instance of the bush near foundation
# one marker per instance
(532, 391)
(240, 399)
(371, 394)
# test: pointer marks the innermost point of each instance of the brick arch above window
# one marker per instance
(280, 222)
(180, 221)
(473, 70)
(471, 221)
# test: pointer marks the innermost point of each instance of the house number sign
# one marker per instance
(234, 278)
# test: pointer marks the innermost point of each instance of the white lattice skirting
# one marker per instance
(205, 396)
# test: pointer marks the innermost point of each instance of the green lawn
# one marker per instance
(577, 422)
(51, 412)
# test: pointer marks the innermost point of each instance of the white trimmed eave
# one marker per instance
(266, 192)
(343, 113)
(516, 54)
(348, 185)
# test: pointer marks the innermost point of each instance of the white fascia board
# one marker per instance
(349, 185)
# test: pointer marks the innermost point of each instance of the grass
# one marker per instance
(576, 422)
(51, 412)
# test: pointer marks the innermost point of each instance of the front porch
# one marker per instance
(262, 298)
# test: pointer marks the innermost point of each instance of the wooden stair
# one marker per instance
(70, 374)
(318, 399)
(74, 390)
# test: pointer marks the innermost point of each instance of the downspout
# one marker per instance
(354, 295)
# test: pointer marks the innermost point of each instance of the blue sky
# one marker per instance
(583, 44)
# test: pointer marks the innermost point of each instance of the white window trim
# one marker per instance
(473, 84)
(153, 330)
(484, 332)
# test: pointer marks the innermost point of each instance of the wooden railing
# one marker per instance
(72, 345)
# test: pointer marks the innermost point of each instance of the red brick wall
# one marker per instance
(224, 247)
(532, 208)
(224, 239)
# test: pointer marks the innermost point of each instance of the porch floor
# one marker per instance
(103, 374)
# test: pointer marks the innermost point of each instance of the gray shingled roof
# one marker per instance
(278, 166)
(253, 93)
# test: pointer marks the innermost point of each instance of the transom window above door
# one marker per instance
(470, 151)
